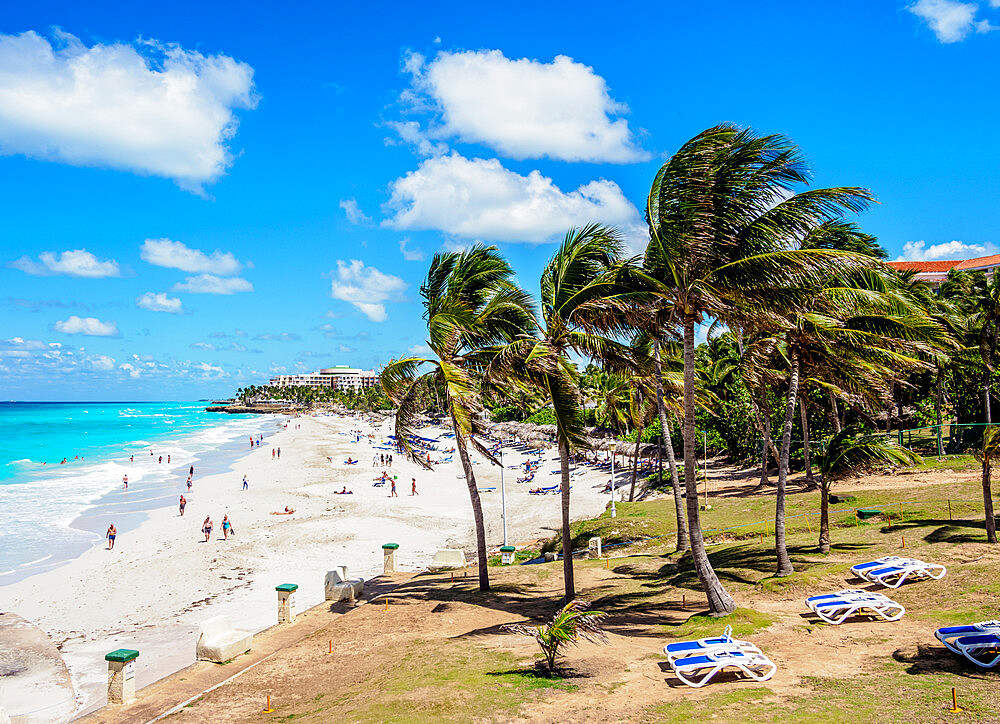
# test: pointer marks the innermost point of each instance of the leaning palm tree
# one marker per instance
(987, 457)
(584, 307)
(848, 453)
(472, 308)
(721, 215)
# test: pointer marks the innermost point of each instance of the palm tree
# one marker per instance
(987, 457)
(584, 306)
(472, 306)
(847, 453)
(721, 213)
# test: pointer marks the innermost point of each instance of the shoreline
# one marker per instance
(162, 579)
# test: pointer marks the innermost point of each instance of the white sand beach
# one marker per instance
(161, 580)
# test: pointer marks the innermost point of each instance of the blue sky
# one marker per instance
(198, 196)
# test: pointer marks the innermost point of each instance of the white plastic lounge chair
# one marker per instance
(837, 608)
(696, 671)
(861, 569)
(949, 634)
(682, 649)
(896, 574)
(981, 649)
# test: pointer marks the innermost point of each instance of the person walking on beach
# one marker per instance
(191, 470)
(279, 453)
(182, 505)
(168, 459)
(413, 486)
(206, 528)
(394, 494)
(112, 532)
(227, 527)
(190, 483)
(125, 481)
(160, 460)
(246, 483)
(272, 453)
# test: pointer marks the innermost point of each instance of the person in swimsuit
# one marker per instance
(413, 487)
(112, 532)
(246, 483)
(206, 528)
(190, 484)
(183, 504)
(227, 527)
(393, 494)
(125, 481)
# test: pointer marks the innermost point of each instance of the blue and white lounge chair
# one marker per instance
(949, 634)
(895, 571)
(981, 649)
(696, 671)
(835, 608)
(683, 649)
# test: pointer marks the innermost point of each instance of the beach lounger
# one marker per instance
(895, 573)
(696, 671)
(949, 634)
(837, 608)
(487, 490)
(981, 649)
(683, 649)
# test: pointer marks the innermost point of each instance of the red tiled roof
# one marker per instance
(980, 262)
(924, 266)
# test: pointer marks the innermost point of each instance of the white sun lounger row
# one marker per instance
(894, 571)
(835, 608)
(696, 662)
(978, 642)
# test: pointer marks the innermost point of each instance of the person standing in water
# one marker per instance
(110, 535)
(183, 504)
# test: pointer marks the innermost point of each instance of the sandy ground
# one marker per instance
(163, 579)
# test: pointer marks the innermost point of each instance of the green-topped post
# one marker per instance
(507, 555)
(389, 557)
(286, 602)
(121, 675)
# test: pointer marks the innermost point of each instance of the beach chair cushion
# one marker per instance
(698, 670)
(983, 650)
(218, 641)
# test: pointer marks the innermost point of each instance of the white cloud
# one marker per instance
(159, 302)
(353, 212)
(90, 326)
(280, 337)
(344, 348)
(919, 251)
(366, 288)
(209, 371)
(950, 21)
(177, 255)
(102, 362)
(211, 284)
(419, 350)
(416, 254)
(75, 263)
(521, 108)
(207, 346)
(413, 135)
(480, 199)
(148, 107)
(133, 371)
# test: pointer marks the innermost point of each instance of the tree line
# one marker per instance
(812, 334)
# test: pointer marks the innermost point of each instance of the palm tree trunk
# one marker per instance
(824, 516)
(938, 404)
(569, 586)
(683, 540)
(991, 523)
(477, 507)
(804, 416)
(986, 398)
(781, 548)
(720, 603)
(835, 413)
(635, 463)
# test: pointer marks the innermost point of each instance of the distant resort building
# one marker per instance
(935, 272)
(339, 377)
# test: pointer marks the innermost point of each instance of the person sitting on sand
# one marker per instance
(206, 528)
(345, 491)
(349, 461)
(112, 532)
(227, 527)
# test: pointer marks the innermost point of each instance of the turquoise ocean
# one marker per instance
(51, 511)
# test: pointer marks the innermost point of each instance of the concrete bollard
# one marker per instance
(389, 557)
(594, 548)
(286, 602)
(507, 555)
(121, 675)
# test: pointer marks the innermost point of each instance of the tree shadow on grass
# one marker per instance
(943, 531)
(930, 659)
